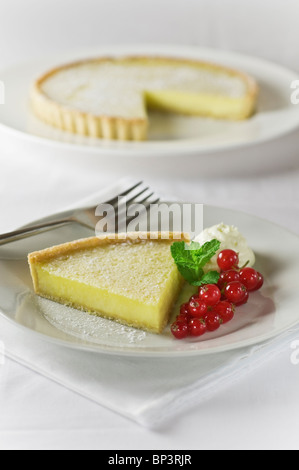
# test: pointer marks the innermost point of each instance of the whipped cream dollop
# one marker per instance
(230, 238)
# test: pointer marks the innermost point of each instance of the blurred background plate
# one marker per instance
(211, 146)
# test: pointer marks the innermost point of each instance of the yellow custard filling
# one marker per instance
(134, 283)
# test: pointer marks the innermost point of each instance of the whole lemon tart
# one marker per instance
(109, 97)
(131, 279)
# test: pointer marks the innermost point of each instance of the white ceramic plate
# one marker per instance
(169, 135)
(269, 312)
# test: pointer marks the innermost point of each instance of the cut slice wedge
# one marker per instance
(131, 279)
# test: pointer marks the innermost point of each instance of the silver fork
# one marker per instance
(136, 194)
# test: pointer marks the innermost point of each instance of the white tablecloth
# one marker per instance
(262, 409)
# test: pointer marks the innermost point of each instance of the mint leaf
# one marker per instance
(204, 253)
(186, 262)
(211, 277)
(191, 275)
(190, 259)
(182, 254)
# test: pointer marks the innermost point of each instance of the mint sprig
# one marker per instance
(191, 259)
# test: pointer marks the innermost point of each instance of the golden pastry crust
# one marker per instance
(119, 128)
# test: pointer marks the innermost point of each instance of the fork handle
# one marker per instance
(26, 232)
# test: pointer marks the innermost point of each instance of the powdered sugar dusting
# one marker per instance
(112, 89)
(112, 268)
(88, 327)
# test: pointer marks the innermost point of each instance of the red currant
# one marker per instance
(179, 329)
(228, 276)
(225, 310)
(235, 292)
(184, 310)
(227, 259)
(249, 277)
(183, 317)
(210, 294)
(197, 327)
(244, 301)
(197, 308)
(212, 321)
(184, 313)
(260, 281)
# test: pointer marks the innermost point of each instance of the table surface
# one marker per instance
(259, 411)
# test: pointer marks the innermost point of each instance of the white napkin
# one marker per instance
(146, 390)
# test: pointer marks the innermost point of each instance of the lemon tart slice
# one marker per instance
(131, 279)
(109, 97)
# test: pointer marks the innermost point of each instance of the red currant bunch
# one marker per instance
(215, 305)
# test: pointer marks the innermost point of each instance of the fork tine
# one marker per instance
(122, 216)
(155, 201)
(133, 201)
(115, 199)
(134, 198)
(138, 194)
(122, 208)
(145, 199)
(148, 204)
